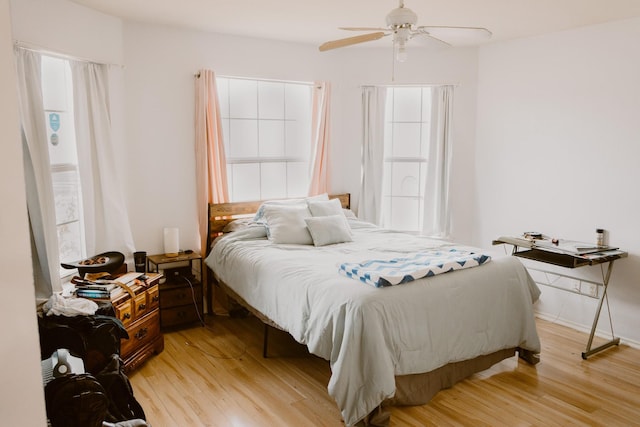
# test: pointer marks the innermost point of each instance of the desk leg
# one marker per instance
(615, 341)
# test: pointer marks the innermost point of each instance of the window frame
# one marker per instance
(289, 161)
(390, 161)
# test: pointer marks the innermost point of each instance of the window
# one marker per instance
(57, 96)
(267, 136)
(406, 147)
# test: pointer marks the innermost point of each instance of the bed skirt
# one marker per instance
(418, 389)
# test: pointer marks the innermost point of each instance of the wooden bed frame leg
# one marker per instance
(265, 341)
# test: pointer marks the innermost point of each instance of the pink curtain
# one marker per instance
(211, 164)
(320, 138)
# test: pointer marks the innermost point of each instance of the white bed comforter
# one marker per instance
(368, 334)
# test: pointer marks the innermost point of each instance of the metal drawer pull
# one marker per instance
(127, 315)
(155, 298)
(142, 306)
(141, 333)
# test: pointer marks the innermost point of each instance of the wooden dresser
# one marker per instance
(139, 311)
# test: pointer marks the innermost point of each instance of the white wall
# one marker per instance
(67, 28)
(161, 62)
(64, 27)
(21, 396)
(557, 152)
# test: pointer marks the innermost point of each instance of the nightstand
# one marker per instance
(181, 293)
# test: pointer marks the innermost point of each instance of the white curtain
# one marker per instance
(437, 221)
(106, 223)
(39, 188)
(370, 201)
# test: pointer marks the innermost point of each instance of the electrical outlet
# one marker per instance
(591, 289)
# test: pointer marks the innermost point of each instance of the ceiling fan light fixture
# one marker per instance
(400, 38)
(401, 16)
(401, 53)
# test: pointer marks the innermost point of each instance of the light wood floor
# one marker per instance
(216, 376)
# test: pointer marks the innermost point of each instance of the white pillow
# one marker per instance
(348, 213)
(325, 208)
(259, 216)
(328, 230)
(286, 224)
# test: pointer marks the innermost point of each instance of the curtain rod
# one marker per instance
(197, 76)
(412, 85)
(62, 55)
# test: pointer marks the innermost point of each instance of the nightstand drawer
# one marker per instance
(141, 333)
(179, 315)
(176, 295)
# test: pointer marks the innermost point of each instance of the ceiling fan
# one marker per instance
(401, 23)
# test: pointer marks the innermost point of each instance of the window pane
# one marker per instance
(297, 179)
(404, 214)
(387, 178)
(273, 180)
(271, 100)
(407, 104)
(222, 85)
(271, 138)
(298, 102)
(298, 139)
(243, 99)
(226, 135)
(406, 140)
(424, 140)
(70, 242)
(243, 139)
(405, 179)
(62, 138)
(388, 139)
(246, 182)
(230, 181)
(66, 191)
(54, 84)
(426, 104)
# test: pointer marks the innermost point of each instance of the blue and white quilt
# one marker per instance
(381, 273)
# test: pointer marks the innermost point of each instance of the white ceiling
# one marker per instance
(317, 21)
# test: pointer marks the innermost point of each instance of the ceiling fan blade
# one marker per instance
(427, 40)
(456, 36)
(334, 44)
(363, 29)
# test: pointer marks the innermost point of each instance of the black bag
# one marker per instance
(122, 404)
(93, 338)
(75, 400)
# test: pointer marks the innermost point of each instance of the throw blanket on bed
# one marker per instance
(380, 273)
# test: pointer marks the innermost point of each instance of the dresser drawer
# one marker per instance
(124, 312)
(141, 305)
(141, 333)
(153, 297)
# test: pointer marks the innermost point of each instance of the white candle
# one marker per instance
(171, 241)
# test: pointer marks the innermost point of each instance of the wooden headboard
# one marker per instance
(221, 214)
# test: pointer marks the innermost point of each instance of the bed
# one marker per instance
(388, 341)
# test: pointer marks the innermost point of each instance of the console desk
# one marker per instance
(545, 253)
